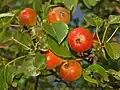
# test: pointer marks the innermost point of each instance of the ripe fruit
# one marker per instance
(59, 14)
(28, 17)
(71, 70)
(52, 60)
(80, 39)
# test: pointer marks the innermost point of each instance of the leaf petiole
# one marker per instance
(113, 34)
(28, 48)
(105, 33)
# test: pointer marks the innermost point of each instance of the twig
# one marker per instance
(117, 10)
(36, 83)
(113, 34)
(14, 88)
(28, 48)
(105, 33)
(12, 61)
(46, 75)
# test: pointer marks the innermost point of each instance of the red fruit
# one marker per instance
(59, 14)
(28, 17)
(52, 60)
(71, 70)
(80, 39)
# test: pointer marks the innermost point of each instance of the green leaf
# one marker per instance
(70, 4)
(5, 2)
(95, 68)
(45, 9)
(113, 50)
(41, 38)
(49, 30)
(28, 68)
(57, 30)
(37, 5)
(114, 19)
(21, 83)
(2, 80)
(40, 61)
(94, 20)
(5, 34)
(61, 31)
(24, 38)
(114, 73)
(90, 21)
(6, 44)
(87, 3)
(60, 50)
(10, 73)
(6, 15)
(92, 2)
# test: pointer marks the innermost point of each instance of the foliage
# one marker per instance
(22, 48)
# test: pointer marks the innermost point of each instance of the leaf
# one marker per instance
(41, 37)
(24, 38)
(71, 4)
(61, 31)
(28, 68)
(2, 80)
(94, 20)
(87, 3)
(6, 15)
(57, 30)
(60, 50)
(114, 19)
(92, 2)
(113, 50)
(37, 4)
(6, 44)
(88, 75)
(21, 83)
(89, 21)
(6, 2)
(45, 9)
(5, 34)
(10, 73)
(114, 73)
(49, 30)
(40, 61)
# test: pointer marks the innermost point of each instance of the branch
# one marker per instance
(37, 79)
(117, 10)
(45, 75)
(113, 34)
(14, 88)
(36, 83)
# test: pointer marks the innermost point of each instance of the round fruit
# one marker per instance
(59, 14)
(80, 39)
(71, 70)
(28, 17)
(52, 60)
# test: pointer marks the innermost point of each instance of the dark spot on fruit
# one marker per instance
(62, 14)
(78, 41)
(53, 14)
(66, 65)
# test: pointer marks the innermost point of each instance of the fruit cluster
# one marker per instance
(80, 40)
